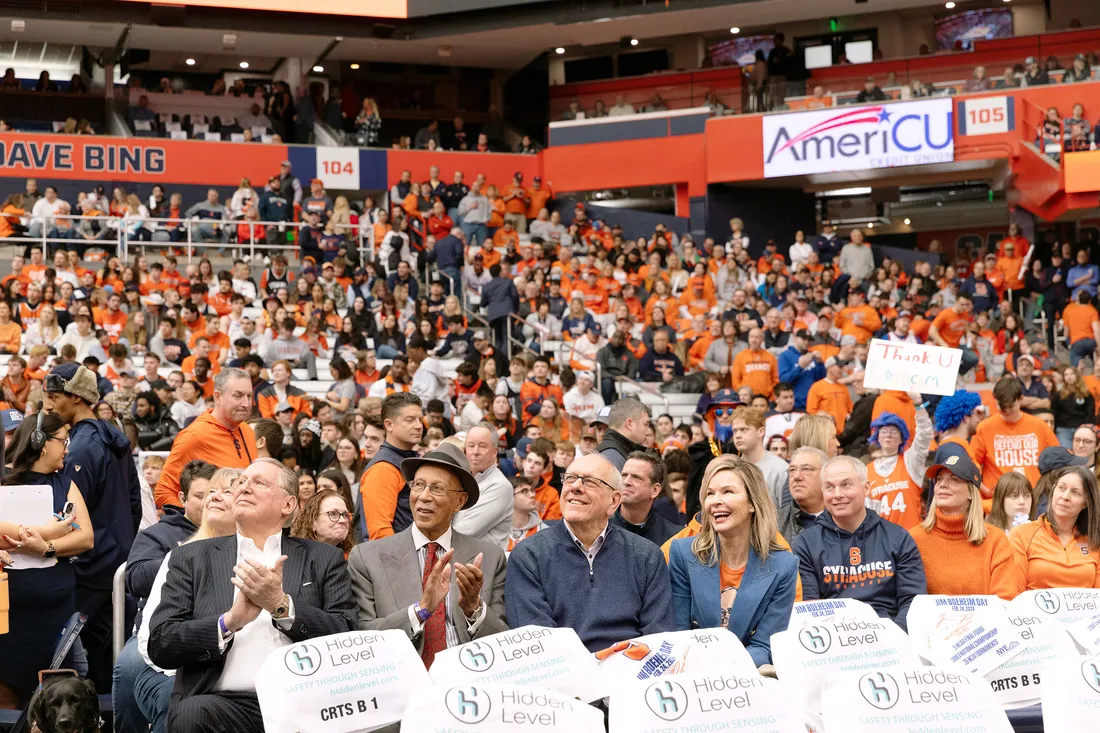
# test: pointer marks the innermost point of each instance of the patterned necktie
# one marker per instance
(435, 628)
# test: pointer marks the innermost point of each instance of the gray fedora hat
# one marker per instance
(447, 456)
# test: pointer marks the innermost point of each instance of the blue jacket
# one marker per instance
(449, 253)
(1089, 285)
(626, 596)
(148, 552)
(499, 297)
(981, 292)
(799, 378)
(878, 564)
(101, 465)
(761, 608)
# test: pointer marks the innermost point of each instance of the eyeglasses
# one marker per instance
(802, 469)
(418, 487)
(253, 481)
(335, 516)
(591, 483)
(63, 441)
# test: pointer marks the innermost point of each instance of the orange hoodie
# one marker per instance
(757, 369)
(208, 439)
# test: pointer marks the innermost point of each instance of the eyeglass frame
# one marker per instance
(346, 516)
(413, 489)
(570, 478)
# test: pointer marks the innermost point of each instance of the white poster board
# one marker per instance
(1018, 682)
(340, 683)
(497, 708)
(1071, 695)
(965, 633)
(1065, 606)
(911, 367)
(806, 611)
(674, 652)
(807, 655)
(530, 656)
(1086, 634)
(703, 702)
(907, 699)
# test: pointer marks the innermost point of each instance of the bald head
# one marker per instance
(756, 338)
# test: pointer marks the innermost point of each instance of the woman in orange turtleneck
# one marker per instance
(962, 554)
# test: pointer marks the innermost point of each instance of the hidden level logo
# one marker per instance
(468, 705)
(880, 690)
(302, 659)
(1090, 671)
(815, 639)
(477, 656)
(668, 700)
(1048, 602)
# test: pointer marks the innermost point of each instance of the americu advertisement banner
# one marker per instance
(858, 138)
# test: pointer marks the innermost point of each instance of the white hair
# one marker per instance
(857, 465)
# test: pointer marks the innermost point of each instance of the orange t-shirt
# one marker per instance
(502, 238)
(496, 213)
(832, 399)
(1010, 267)
(951, 326)
(517, 204)
(999, 446)
(538, 201)
(868, 319)
(111, 323)
(894, 496)
(1079, 319)
(757, 369)
(1042, 561)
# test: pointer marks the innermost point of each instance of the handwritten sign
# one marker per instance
(703, 702)
(911, 367)
(968, 633)
(551, 659)
(497, 708)
(340, 683)
(674, 652)
(907, 699)
(1071, 697)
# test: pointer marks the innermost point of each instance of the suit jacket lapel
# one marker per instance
(403, 571)
(754, 586)
(294, 567)
(706, 592)
(222, 561)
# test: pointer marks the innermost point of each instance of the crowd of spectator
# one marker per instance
(535, 464)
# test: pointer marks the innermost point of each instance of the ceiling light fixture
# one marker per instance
(949, 5)
(354, 67)
(907, 221)
(633, 41)
(190, 62)
(735, 30)
(870, 225)
(244, 64)
(318, 69)
(559, 50)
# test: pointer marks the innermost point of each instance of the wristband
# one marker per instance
(922, 406)
(422, 614)
(221, 625)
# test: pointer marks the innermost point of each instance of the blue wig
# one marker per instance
(891, 419)
(954, 408)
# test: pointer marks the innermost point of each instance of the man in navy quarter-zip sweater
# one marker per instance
(627, 594)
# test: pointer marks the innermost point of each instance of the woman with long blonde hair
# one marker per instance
(733, 573)
(45, 331)
(962, 554)
(815, 431)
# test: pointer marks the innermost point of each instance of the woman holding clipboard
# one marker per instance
(42, 585)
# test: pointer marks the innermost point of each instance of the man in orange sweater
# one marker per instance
(385, 493)
(1010, 441)
(1082, 323)
(829, 397)
(220, 436)
(858, 319)
(949, 327)
(755, 367)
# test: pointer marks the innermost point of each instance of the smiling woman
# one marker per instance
(733, 573)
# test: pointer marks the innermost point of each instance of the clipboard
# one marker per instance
(28, 505)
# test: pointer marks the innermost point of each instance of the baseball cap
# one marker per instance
(602, 416)
(595, 328)
(480, 336)
(588, 432)
(316, 180)
(954, 458)
(160, 384)
(1029, 60)
(11, 418)
(126, 373)
(479, 257)
(585, 374)
(1058, 457)
(802, 334)
(283, 406)
(904, 314)
(832, 361)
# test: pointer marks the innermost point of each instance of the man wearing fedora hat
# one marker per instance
(404, 581)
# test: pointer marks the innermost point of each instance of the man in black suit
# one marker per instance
(287, 590)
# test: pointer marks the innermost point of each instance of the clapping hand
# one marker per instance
(469, 578)
(262, 585)
(438, 583)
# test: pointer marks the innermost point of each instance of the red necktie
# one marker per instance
(435, 628)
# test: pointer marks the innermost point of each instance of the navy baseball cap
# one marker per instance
(954, 458)
(11, 418)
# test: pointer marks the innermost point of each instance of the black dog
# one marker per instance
(66, 705)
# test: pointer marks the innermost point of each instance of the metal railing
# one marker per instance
(647, 387)
(128, 232)
(540, 331)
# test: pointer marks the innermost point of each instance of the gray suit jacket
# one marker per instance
(386, 580)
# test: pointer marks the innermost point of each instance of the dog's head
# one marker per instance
(66, 705)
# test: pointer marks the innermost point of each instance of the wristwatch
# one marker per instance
(49, 552)
(282, 610)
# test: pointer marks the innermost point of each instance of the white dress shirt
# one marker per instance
(597, 544)
(256, 640)
(420, 542)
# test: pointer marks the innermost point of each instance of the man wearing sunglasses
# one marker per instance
(627, 593)
(100, 463)
(404, 581)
